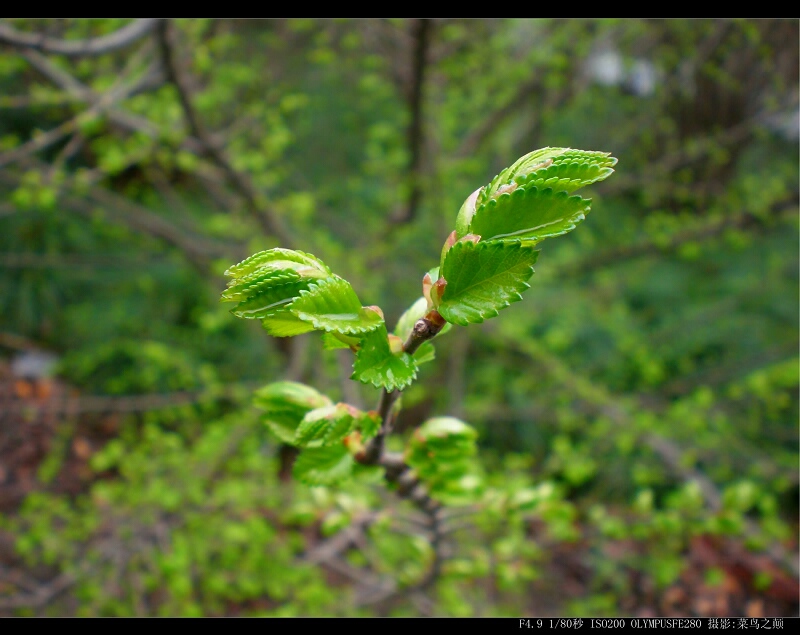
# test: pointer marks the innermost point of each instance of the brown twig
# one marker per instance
(41, 595)
(115, 41)
(421, 36)
(270, 222)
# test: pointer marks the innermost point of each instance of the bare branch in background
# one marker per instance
(198, 250)
(421, 29)
(103, 103)
(123, 119)
(115, 41)
(40, 594)
(488, 126)
(270, 222)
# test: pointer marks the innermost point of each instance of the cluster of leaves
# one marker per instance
(489, 258)
(292, 292)
(652, 385)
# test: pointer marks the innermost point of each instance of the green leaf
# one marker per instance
(327, 426)
(483, 278)
(242, 288)
(567, 177)
(410, 317)
(425, 353)
(369, 424)
(281, 259)
(529, 214)
(441, 451)
(284, 323)
(376, 364)
(285, 404)
(323, 466)
(562, 169)
(332, 341)
(332, 305)
(444, 432)
(270, 300)
(537, 161)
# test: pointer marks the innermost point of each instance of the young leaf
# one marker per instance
(568, 177)
(284, 323)
(441, 451)
(441, 433)
(327, 426)
(538, 160)
(483, 278)
(425, 353)
(369, 423)
(410, 317)
(323, 466)
(285, 404)
(270, 300)
(242, 288)
(332, 341)
(376, 364)
(529, 214)
(276, 259)
(332, 305)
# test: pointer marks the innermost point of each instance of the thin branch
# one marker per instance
(125, 120)
(115, 41)
(270, 222)
(47, 139)
(487, 127)
(198, 250)
(421, 36)
(40, 596)
(340, 542)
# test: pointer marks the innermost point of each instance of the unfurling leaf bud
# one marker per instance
(470, 238)
(437, 291)
(427, 283)
(451, 240)
(395, 344)
(466, 212)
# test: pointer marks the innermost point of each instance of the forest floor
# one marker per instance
(42, 416)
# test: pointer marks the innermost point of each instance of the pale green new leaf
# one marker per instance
(376, 364)
(284, 323)
(270, 300)
(332, 305)
(323, 466)
(410, 317)
(529, 214)
(444, 434)
(567, 177)
(285, 404)
(483, 278)
(242, 288)
(369, 423)
(441, 451)
(535, 161)
(332, 341)
(275, 259)
(414, 313)
(327, 426)
(425, 353)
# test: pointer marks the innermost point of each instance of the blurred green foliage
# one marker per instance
(643, 397)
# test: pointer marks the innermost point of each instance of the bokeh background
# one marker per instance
(638, 411)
